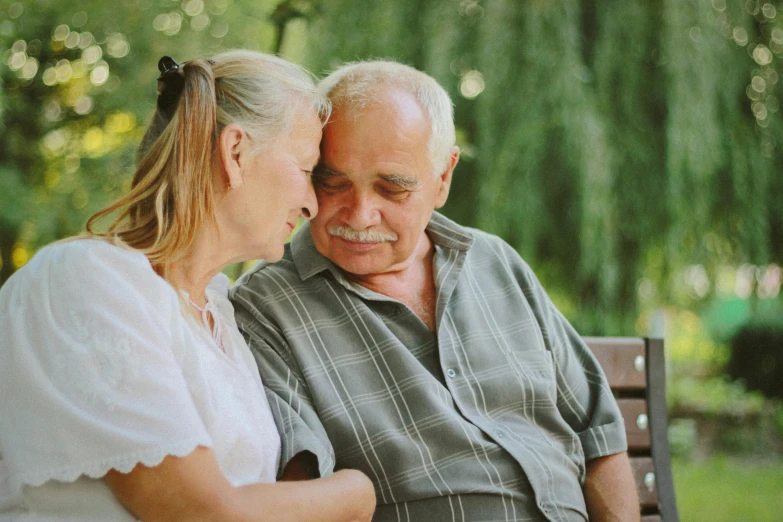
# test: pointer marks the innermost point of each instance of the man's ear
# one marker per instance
(445, 178)
(233, 144)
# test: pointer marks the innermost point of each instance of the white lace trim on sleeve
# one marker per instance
(97, 469)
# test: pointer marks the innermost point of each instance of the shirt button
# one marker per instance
(499, 433)
(451, 373)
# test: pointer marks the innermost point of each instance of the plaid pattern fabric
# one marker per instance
(493, 418)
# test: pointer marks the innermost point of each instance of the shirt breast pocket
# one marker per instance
(536, 372)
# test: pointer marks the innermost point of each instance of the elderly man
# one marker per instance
(424, 353)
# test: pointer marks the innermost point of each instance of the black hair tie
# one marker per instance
(170, 85)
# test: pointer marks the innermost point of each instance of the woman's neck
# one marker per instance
(207, 256)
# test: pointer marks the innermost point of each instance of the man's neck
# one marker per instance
(411, 283)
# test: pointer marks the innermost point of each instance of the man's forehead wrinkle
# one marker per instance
(393, 102)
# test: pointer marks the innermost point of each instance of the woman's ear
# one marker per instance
(233, 148)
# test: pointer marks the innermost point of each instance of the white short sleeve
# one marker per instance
(89, 366)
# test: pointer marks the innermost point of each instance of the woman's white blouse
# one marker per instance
(100, 369)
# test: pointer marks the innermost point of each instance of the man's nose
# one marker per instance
(310, 208)
(360, 212)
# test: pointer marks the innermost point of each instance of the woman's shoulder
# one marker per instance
(85, 296)
(92, 269)
(89, 259)
(88, 251)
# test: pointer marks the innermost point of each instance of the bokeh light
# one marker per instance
(117, 45)
(199, 22)
(29, 69)
(100, 73)
(740, 36)
(219, 29)
(83, 105)
(50, 76)
(72, 40)
(64, 71)
(15, 10)
(471, 84)
(92, 54)
(174, 24)
(762, 55)
(85, 40)
(60, 33)
(79, 19)
(193, 7)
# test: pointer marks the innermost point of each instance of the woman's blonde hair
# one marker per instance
(172, 191)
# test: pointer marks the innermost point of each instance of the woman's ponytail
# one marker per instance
(171, 192)
(194, 146)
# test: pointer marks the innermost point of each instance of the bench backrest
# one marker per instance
(636, 372)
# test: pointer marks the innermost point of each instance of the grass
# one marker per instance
(724, 489)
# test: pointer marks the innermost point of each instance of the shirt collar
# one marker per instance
(308, 261)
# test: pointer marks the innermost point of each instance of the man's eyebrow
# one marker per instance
(323, 170)
(405, 182)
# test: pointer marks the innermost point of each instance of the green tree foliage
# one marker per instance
(608, 141)
(78, 84)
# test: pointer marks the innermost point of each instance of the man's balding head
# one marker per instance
(355, 86)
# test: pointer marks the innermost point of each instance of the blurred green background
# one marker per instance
(629, 150)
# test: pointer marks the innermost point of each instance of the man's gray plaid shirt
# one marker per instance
(492, 418)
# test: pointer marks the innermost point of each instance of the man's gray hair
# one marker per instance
(357, 85)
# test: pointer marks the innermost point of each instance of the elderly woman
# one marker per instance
(126, 390)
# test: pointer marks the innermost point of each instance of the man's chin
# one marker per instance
(358, 264)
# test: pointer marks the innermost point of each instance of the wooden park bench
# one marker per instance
(636, 373)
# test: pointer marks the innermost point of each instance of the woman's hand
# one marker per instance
(192, 488)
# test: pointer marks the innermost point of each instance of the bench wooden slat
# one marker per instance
(619, 358)
(641, 467)
(638, 437)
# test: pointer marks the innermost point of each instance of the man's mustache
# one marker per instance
(361, 236)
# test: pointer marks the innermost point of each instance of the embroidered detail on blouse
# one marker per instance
(94, 359)
(209, 311)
